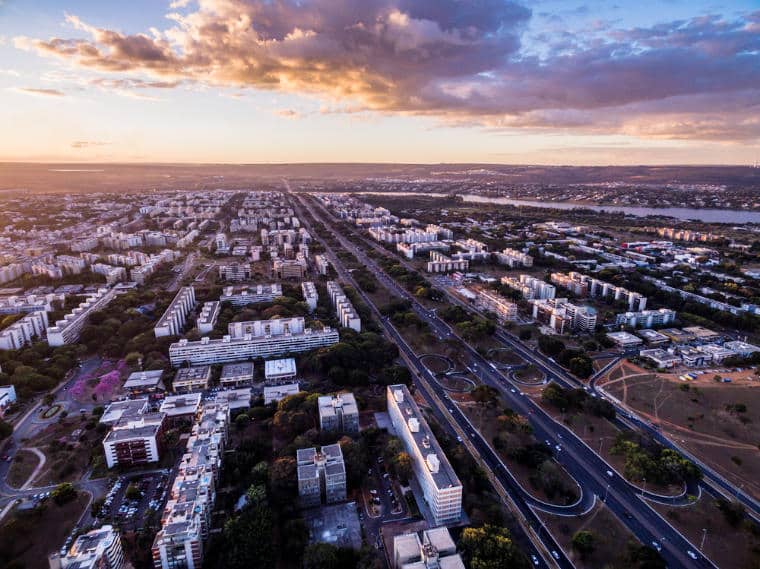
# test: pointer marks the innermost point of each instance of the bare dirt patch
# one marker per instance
(715, 421)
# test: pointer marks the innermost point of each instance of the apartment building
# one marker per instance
(440, 486)
(249, 346)
(7, 397)
(321, 473)
(235, 272)
(492, 301)
(208, 316)
(338, 413)
(186, 518)
(290, 268)
(112, 274)
(514, 258)
(344, 310)
(236, 375)
(184, 407)
(173, 320)
(134, 440)
(23, 331)
(436, 550)
(67, 331)
(243, 296)
(16, 304)
(189, 379)
(13, 271)
(584, 285)
(563, 316)
(97, 549)
(310, 295)
(646, 318)
(322, 264)
(440, 263)
(128, 409)
(530, 287)
(222, 244)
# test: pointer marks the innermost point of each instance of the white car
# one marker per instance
(656, 545)
(610, 474)
(555, 554)
(691, 554)
(534, 559)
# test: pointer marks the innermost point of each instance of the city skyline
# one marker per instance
(244, 81)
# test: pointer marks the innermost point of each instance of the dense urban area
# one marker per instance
(398, 371)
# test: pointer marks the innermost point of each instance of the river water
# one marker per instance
(733, 216)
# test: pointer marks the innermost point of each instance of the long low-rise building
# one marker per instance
(242, 296)
(440, 484)
(67, 331)
(229, 349)
(492, 301)
(646, 318)
(173, 320)
(440, 263)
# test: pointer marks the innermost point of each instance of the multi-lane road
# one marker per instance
(586, 466)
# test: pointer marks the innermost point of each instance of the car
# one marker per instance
(513, 390)
(373, 492)
(534, 559)
(656, 545)
(547, 443)
(610, 474)
(555, 554)
(559, 448)
(691, 554)
(459, 439)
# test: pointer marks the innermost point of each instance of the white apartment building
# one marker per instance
(440, 485)
(208, 316)
(274, 393)
(437, 550)
(175, 317)
(344, 310)
(249, 340)
(530, 287)
(338, 413)
(112, 274)
(13, 271)
(646, 318)
(322, 264)
(290, 268)
(188, 379)
(97, 549)
(134, 440)
(492, 301)
(514, 258)
(30, 303)
(310, 295)
(245, 295)
(67, 331)
(236, 375)
(235, 272)
(562, 316)
(318, 471)
(186, 519)
(440, 263)
(22, 332)
(584, 285)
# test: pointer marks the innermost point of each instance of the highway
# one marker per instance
(588, 468)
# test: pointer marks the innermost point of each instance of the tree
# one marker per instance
(550, 346)
(491, 547)
(584, 543)
(63, 493)
(6, 430)
(133, 492)
(402, 465)
(484, 395)
(248, 539)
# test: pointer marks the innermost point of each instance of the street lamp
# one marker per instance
(606, 492)
(704, 536)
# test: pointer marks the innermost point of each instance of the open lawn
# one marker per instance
(21, 468)
(730, 547)
(715, 421)
(611, 537)
(28, 537)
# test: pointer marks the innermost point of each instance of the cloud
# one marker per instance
(461, 61)
(10, 72)
(39, 92)
(80, 144)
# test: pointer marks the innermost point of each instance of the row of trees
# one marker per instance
(577, 400)
(576, 360)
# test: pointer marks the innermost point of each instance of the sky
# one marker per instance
(413, 81)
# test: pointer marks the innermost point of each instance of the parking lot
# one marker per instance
(383, 502)
(132, 499)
